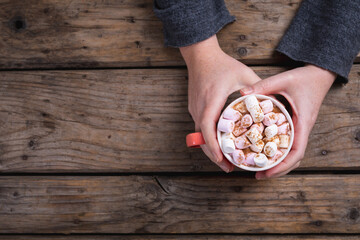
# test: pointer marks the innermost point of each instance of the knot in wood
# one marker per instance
(242, 52)
(353, 214)
(357, 136)
(242, 37)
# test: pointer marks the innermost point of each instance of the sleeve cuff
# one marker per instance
(324, 33)
(189, 22)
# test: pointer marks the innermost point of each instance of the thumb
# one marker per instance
(265, 87)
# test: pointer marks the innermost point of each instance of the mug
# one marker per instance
(194, 140)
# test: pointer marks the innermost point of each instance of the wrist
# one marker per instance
(323, 75)
(201, 51)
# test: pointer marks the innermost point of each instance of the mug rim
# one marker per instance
(288, 117)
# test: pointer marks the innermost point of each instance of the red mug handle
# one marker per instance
(194, 140)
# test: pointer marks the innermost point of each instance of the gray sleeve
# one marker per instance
(186, 22)
(325, 33)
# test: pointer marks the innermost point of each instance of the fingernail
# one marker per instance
(224, 167)
(246, 90)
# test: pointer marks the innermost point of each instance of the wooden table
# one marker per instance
(93, 118)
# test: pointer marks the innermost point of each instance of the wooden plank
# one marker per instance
(180, 237)
(165, 204)
(136, 121)
(93, 34)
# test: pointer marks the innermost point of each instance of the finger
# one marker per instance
(208, 129)
(274, 84)
(225, 165)
(286, 172)
(262, 175)
(293, 158)
(280, 170)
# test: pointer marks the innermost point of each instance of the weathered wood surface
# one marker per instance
(180, 237)
(76, 33)
(136, 121)
(161, 204)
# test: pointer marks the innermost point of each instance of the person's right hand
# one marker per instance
(305, 89)
(213, 76)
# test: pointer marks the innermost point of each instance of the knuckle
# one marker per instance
(264, 85)
(290, 76)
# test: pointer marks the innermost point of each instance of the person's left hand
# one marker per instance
(213, 76)
(305, 89)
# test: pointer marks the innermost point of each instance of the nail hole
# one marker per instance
(19, 24)
(138, 44)
(324, 152)
(31, 143)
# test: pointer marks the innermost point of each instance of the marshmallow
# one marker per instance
(253, 135)
(225, 125)
(238, 156)
(249, 159)
(240, 107)
(270, 149)
(281, 118)
(251, 101)
(252, 105)
(238, 130)
(242, 142)
(232, 114)
(277, 155)
(227, 145)
(271, 131)
(228, 135)
(284, 128)
(260, 160)
(284, 141)
(246, 121)
(258, 146)
(266, 106)
(274, 139)
(269, 119)
(258, 126)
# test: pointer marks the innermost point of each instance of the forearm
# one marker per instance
(325, 33)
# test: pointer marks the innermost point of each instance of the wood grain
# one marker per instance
(180, 237)
(161, 204)
(95, 34)
(136, 121)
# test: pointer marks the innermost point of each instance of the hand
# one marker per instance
(213, 76)
(305, 89)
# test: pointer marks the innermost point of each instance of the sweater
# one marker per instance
(325, 33)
